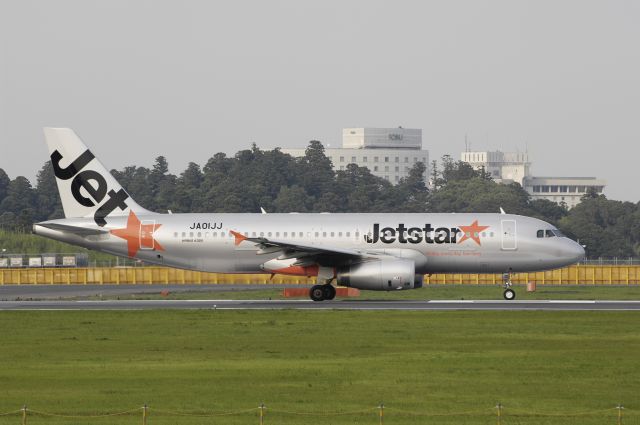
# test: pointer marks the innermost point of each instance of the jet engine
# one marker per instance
(380, 275)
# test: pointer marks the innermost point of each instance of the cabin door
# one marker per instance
(509, 235)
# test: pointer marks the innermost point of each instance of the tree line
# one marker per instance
(269, 179)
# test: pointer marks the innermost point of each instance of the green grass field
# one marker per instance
(419, 364)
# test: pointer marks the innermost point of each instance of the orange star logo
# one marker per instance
(138, 235)
(472, 232)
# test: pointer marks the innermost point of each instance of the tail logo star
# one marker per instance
(138, 235)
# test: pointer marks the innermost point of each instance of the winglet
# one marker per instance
(262, 210)
(502, 211)
(239, 237)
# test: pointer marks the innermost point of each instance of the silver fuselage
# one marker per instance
(204, 242)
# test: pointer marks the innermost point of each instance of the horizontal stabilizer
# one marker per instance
(76, 230)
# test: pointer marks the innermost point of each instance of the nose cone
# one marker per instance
(574, 252)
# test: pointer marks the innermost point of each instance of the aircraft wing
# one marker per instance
(306, 253)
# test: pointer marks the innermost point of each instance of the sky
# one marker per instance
(187, 79)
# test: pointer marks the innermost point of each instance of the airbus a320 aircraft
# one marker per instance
(380, 252)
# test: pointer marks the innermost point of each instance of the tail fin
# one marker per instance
(86, 187)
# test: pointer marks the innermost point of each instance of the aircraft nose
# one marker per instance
(575, 252)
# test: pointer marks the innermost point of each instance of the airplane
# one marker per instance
(373, 251)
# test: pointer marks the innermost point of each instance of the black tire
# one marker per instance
(329, 291)
(509, 294)
(316, 293)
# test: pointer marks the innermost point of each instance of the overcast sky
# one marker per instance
(187, 79)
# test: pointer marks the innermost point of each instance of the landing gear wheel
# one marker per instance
(316, 293)
(509, 294)
(329, 292)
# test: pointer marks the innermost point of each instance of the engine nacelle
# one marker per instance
(380, 275)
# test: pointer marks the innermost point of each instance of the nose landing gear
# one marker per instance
(508, 294)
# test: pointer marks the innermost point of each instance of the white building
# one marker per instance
(562, 189)
(387, 152)
(506, 167)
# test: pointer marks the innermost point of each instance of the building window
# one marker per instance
(554, 189)
(375, 168)
(545, 189)
(406, 159)
(353, 159)
(536, 189)
(386, 159)
(397, 169)
(375, 159)
(563, 189)
(364, 159)
(573, 189)
(386, 168)
(342, 159)
(415, 159)
(397, 159)
(582, 189)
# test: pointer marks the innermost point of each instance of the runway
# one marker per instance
(556, 305)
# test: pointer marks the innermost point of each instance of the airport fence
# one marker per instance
(379, 414)
(574, 275)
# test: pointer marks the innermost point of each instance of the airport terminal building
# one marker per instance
(506, 167)
(388, 153)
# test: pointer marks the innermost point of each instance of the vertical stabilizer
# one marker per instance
(86, 187)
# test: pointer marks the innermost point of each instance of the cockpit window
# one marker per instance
(549, 233)
(558, 233)
(541, 233)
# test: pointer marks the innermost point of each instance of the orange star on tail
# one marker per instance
(138, 235)
(472, 232)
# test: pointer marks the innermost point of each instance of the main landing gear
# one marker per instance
(322, 292)
(508, 294)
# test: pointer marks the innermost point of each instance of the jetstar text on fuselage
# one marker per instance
(415, 235)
